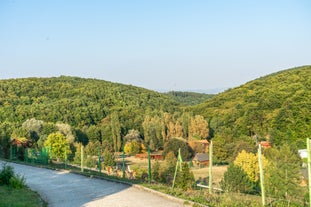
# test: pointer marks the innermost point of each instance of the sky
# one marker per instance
(163, 45)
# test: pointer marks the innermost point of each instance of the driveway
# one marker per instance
(64, 189)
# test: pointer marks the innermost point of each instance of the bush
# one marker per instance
(236, 180)
(185, 178)
(6, 174)
(17, 181)
(7, 177)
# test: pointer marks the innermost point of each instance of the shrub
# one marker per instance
(17, 181)
(185, 178)
(236, 180)
(6, 174)
(7, 177)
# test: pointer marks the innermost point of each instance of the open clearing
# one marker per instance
(199, 173)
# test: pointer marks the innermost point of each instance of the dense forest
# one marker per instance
(76, 101)
(189, 98)
(276, 108)
(90, 110)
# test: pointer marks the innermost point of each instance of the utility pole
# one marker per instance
(261, 176)
(309, 169)
(210, 177)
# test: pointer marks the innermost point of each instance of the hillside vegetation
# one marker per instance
(77, 101)
(189, 98)
(276, 107)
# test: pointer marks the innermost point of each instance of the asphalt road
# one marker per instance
(64, 189)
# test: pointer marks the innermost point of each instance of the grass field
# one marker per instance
(24, 197)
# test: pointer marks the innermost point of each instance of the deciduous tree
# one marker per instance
(59, 145)
(198, 128)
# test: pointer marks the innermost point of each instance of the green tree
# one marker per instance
(59, 145)
(173, 145)
(152, 127)
(155, 171)
(116, 131)
(94, 133)
(236, 180)
(109, 159)
(185, 178)
(283, 178)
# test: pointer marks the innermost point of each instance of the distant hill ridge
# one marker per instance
(77, 101)
(275, 107)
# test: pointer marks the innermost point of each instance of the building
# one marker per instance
(201, 160)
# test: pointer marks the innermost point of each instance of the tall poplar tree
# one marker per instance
(116, 131)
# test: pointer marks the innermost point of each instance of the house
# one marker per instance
(201, 160)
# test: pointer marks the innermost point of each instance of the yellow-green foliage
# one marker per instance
(249, 163)
(132, 147)
(59, 145)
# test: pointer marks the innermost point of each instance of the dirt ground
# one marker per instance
(217, 172)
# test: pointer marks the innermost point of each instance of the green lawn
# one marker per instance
(24, 197)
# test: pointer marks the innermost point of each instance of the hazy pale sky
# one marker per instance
(159, 45)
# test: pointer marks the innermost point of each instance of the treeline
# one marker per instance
(276, 108)
(157, 133)
(77, 101)
(189, 98)
(92, 112)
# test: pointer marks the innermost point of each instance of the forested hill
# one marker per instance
(189, 98)
(275, 107)
(77, 101)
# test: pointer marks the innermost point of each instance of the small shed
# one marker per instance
(201, 160)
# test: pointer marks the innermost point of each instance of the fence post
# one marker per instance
(82, 157)
(261, 176)
(210, 177)
(149, 166)
(11, 152)
(99, 161)
(309, 169)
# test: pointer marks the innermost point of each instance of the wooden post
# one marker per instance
(210, 177)
(123, 163)
(99, 160)
(149, 166)
(82, 157)
(178, 163)
(261, 176)
(309, 169)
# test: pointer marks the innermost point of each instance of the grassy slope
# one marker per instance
(24, 197)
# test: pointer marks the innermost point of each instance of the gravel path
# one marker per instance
(64, 189)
